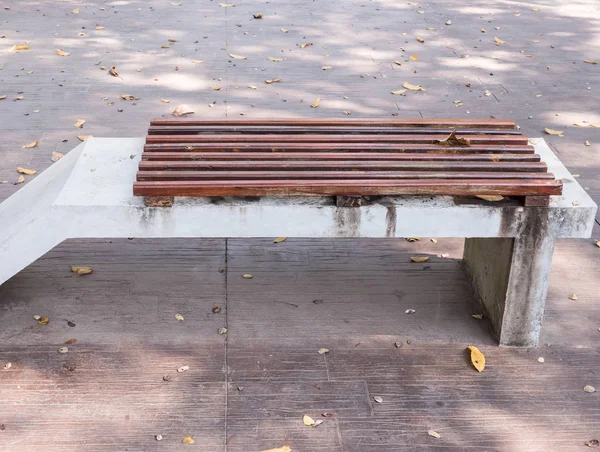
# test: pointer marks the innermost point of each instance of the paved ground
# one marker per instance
(108, 392)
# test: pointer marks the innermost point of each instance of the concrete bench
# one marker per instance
(508, 247)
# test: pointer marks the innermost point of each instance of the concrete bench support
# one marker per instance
(510, 278)
(508, 250)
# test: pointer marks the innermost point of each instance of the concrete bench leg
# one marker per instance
(510, 277)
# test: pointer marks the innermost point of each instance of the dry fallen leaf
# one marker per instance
(62, 52)
(308, 421)
(100, 27)
(216, 309)
(63, 350)
(420, 39)
(590, 62)
(573, 297)
(15, 48)
(279, 449)
(276, 59)
(176, 4)
(222, 331)
(398, 63)
(113, 71)
(412, 87)
(378, 399)
(70, 341)
(279, 239)
(3, 97)
(182, 110)
(216, 88)
(251, 86)
(419, 259)
(477, 316)
(346, 112)
(226, 5)
(7, 366)
(491, 198)
(75, 11)
(179, 317)
(84, 137)
(592, 443)
(183, 369)
(434, 434)
(257, 16)
(56, 156)
(499, 41)
(29, 172)
(33, 144)
(284, 30)
(188, 440)
(414, 57)
(43, 321)
(410, 311)
(541, 360)
(275, 80)
(323, 351)
(197, 61)
(247, 276)
(165, 101)
(306, 44)
(477, 358)
(452, 140)
(79, 123)
(315, 104)
(21, 179)
(327, 67)
(587, 143)
(238, 57)
(81, 270)
(399, 91)
(553, 132)
(589, 389)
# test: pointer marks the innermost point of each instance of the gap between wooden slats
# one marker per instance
(359, 187)
(408, 139)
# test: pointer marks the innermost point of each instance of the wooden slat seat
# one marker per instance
(341, 157)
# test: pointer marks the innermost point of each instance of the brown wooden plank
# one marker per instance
(345, 156)
(408, 139)
(375, 122)
(335, 147)
(271, 129)
(364, 187)
(265, 175)
(249, 165)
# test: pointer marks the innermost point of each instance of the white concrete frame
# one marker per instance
(88, 193)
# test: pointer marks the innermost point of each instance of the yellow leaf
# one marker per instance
(498, 41)
(279, 239)
(165, 47)
(276, 59)
(419, 259)
(188, 440)
(251, 86)
(79, 123)
(84, 137)
(56, 156)
(490, 197)
(327, 67)
(176, 4)
(21, 179)
(399, 91)
(29, 172)
(172, 40)
(308, 421)
(247, 276)
(197, 61)
(100, 27)
(237, 57)
(19, 98)
(43, 321)
(75, 11)
(306, 44)
(216, 88)
(275, 80)
(587, 143)
(580, 124)
(165, 101)
(62, 52)
(3, 97)
(127, 97)
(15, 48)
(590, 62)
(553, 132)
(182, 110)
(81, 270)
(413, 87)
(284, 30)
(589, 389)
(477, 358)
(315, 104)
(420, 39)
(279, 449)
(434, 434)
(179, 317)
(33, 144)
(226, 5)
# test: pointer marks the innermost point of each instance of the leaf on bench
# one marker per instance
(477, 358)
(452, 140)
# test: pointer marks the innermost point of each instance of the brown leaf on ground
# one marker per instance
(81, 270)
(17, 48)
(592, 443)
(56, 156)
(43, 321)
(29, 172)
(100, 27)
(21, 179)
(197, 61)
(31, 145)
(62, 52)
(275, 80)
(499, 41)
(398, 63)
(419, 259)
(491, 198)
(306, 44)
(276, 60)
(477, 358)
(70, 341)
(216, 309)
(113, 71)
(188, 440)
(412, 87)
(315, 104)
(84, 137)
(127, 97)
(399, 91)
(452, 140)
(182, 110)
(554, 132)
(257, 16)
(414, 57)
(590, 62)
(325, 68)
(420, 39)
(238, 57)
(79, 123)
